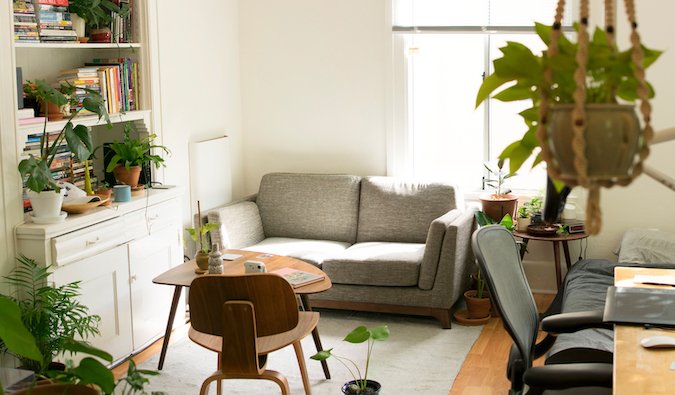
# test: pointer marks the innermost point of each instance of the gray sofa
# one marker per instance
(387, 244)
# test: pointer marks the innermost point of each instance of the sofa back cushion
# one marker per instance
(309, 206)
(399, 210)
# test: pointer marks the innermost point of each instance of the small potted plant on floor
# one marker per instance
(130, 155)
(502, 202)
(477, 303)
(45, 196)
(360, 384)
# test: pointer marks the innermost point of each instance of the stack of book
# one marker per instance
(54, 22)
(82, 78)
(25, 24)
(119, 81)
(27, 117)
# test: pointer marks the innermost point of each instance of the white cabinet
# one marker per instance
(115, 252)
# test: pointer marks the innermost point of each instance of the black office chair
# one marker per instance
(499, 260)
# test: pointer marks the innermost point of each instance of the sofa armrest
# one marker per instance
(240, 224)
(432, 249)
(453, 272)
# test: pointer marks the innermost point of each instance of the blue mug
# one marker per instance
(122, 193)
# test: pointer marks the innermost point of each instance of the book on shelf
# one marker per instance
(298, 278)
(63, 3)
(31, 121)
(55, 26)
(25, 22)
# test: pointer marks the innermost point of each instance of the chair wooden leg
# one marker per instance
(278, 378)
(271, 375)
(303, 368)
(219, 383)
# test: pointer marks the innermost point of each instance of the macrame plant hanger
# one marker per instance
(593, 212)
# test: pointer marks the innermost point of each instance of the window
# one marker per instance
(443, 48)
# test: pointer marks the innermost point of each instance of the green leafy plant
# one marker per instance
(77, 137)
(502, 176)
(528, 209)
(53, 315)
(358, 335)
(132, 152)
(609, 77)
(482, 219)
(97, 13)
(200, 233)
(103, 186)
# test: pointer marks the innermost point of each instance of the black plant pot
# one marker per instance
(369, 384)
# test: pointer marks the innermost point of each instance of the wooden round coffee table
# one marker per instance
(182, 276)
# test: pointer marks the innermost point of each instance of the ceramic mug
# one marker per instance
(122, 193)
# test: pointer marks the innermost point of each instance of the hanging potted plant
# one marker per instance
(497, 205)
(130, 155)
(45, 196)
(585, 136)
(360, 384)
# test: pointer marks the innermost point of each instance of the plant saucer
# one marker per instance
(50, 220)
(462, 317)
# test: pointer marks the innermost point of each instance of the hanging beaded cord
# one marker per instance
(593, 213)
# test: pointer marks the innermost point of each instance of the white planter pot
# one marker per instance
(78, 24)
(46, 204)
(523, 223)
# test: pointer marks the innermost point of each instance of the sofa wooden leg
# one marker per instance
(443, 315)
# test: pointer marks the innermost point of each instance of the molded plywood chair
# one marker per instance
(499, 260)
(243, 318)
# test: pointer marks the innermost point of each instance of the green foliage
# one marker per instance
(199, 233)
(132, 152)
(482, 219)
(53, 315)
(502, 176)
(528, 209)
(609, 77)
(77, 137)
(97, 13)
(358, 335)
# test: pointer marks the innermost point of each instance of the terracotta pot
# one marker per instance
(202, 259)
(58, 389)
(127, 177)
(497, 208)
(372, 384)
(104, 194)
(52, 110)
(477, 308)
(612, 134)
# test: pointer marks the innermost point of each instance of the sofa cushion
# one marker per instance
(240, 225)
(394, 209)
(310, 251)
(309, 206)
(378, 263)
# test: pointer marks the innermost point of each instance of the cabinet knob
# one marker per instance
(90, 242)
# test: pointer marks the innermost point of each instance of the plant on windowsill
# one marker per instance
(587, 113)
(45, 196)
(360, 385)
(130, 155)
(498, 204)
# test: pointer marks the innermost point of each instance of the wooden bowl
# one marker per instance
(543, 230)
(81, 208)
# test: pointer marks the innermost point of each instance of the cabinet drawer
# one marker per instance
(145, 222)
(88, 241)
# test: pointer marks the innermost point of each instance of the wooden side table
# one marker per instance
(555, 239)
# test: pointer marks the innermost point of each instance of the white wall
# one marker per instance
(313, 87)
(200, 94)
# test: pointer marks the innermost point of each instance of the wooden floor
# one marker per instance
(483, 372)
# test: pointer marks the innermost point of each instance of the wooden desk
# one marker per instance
(182, 276)
(638, 370)
(556, 239)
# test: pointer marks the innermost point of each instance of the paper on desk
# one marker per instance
(658, 280)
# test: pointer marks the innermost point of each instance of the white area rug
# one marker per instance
(418, 357)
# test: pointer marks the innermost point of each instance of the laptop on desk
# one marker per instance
(626, 305)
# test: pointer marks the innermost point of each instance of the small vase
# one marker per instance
(102, 35)
(477, 308)
(215, 260)
(202, 259)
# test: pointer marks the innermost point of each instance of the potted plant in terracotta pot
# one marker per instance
(45, 196)
(200, 235)
(104, 192)
(360, 384)
(585, 136)
(477, 303)
(497, 205)
(130, 155)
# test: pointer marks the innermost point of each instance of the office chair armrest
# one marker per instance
(569, 375)
(572, 322)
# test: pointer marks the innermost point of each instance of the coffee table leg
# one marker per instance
(315, 335)
(169, 325)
